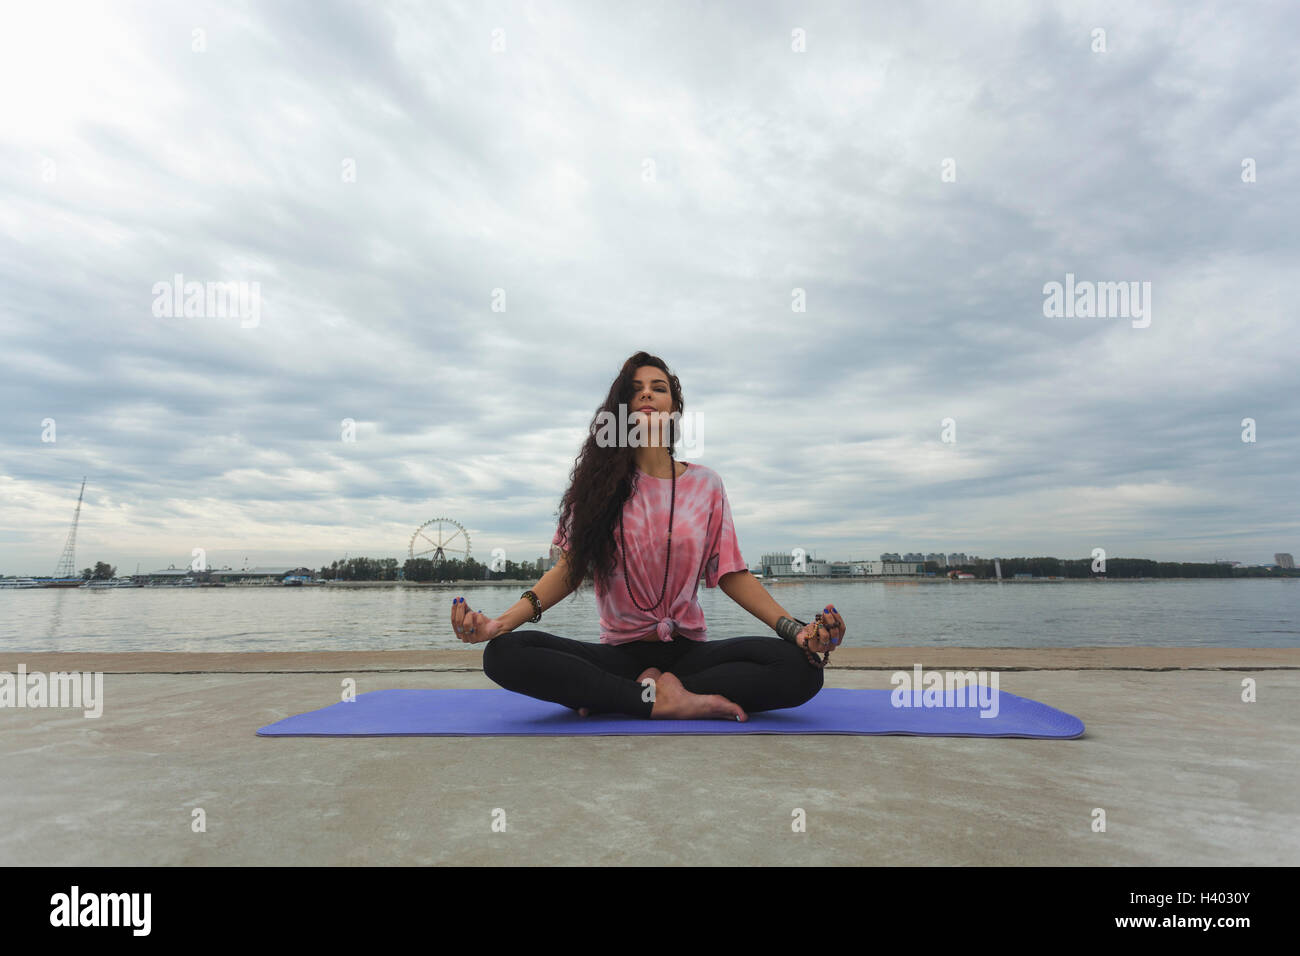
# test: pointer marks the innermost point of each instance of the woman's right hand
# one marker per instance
(472, 627)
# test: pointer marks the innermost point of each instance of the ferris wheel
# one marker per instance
(439, 539)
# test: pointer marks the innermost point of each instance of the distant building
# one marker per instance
(172, 575)
(938, 559)
(258, 574)
(189, 576)
(891, 568)
(778, 565)
(1284, 560)
(956, 559)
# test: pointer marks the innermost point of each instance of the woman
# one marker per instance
(646, 528)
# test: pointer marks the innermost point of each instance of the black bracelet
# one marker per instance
(537, 606)
(789, 628)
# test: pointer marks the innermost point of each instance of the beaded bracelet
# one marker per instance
(812, 658)
(537, 606)
(791, 634)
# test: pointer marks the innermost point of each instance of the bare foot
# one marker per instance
(651, 673)
(675, 702)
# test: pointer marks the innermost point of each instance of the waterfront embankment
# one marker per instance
(1183, 771)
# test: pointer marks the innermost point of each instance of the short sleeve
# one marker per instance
(722, 549)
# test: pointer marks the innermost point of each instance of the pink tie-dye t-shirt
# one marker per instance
(704, 545)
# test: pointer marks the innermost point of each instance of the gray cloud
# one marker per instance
(127, 157)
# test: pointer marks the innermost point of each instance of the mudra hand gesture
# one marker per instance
(472, 627)
(822, 636)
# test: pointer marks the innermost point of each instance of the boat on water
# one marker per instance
(12, 584)
(59, 582)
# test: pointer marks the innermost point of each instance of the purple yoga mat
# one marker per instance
(502, 713)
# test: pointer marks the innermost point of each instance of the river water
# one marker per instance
(1162, 613)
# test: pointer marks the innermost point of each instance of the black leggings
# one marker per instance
(758, 673)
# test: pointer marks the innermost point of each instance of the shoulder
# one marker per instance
(710, 481)
(704, 473)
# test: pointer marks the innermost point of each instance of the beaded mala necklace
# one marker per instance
(672, 509)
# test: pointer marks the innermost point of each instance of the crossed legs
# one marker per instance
(723, 678)
(757, 673)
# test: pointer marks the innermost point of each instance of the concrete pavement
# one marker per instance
(1186, 772)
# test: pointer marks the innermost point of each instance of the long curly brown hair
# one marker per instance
(603, 478)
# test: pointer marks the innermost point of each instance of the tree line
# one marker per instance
(423, 569)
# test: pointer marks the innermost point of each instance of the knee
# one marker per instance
(808, 680)
(498, 651)
(808, 684)
(816, 679)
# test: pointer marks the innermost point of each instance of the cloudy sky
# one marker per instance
(835, 222)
